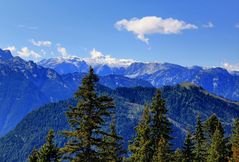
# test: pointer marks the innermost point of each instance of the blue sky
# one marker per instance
(185, 32)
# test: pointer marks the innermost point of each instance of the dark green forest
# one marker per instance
(179, 123)
(92, 138)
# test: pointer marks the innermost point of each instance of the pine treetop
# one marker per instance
(88, 120)
(200, 142)
(140, 146)
(216, 151)
(188, 147)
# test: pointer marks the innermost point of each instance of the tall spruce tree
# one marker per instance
(162, 153)
(140, 146)
(235, 141)
(113, 150)
(161, 127)
(188, 149)
(200, 143)
(178, 155)
(49, 151)
(87, 120)
(210, 126)
(216, 152)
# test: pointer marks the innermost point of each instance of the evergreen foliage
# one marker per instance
(152, 141)
(182, 103)
(33, 157)
(162, 154)
(87, 120)
(235, 141)
(188, 149)
(200, 143)
(210, 125)
(140, 146)
(161, 127)
(113, 150)
(178, 155)
(216, 152)
(49, 151)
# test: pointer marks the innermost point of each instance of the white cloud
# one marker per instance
(27, 53)
(153, 25)
(98, 57)
(208, 25)
(41, 43)
(62, 51)
(96, 54)
(11, 48)
(231, 67)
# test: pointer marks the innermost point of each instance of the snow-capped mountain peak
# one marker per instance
(97, 59)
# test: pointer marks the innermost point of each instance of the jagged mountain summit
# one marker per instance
(102, 64)
(25, 85)
(5, 54)
(216, 80)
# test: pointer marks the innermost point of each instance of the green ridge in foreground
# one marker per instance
(183, 105)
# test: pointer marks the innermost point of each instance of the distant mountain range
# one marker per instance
(216, 80)
(24, 86)
(184, 103)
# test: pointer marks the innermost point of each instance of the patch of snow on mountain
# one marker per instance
(97, 58)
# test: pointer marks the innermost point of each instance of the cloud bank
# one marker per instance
(41, 43)
(11, 48)
(26, 53)
(98, 57)
(62, 51)
(153, 25)
(231, 67)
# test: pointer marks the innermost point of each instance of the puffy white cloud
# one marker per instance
(153, 25)
(208, 25)
(11, 48)
(98, 57)
(231, 67)
(62, 51)
(27, 53)
(41, 43)
(96, 54)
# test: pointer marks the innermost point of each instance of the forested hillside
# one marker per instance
(184, 102)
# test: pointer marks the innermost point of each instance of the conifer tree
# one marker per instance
(49, 152)
(216, 152)
(210, 126)
(140, 146)
(188, 149)
(113, 152)
(162, 153)
(161, 127)
(178, 156)
(235, 141)
(33, 156)
(200, 143)
(87, 119)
